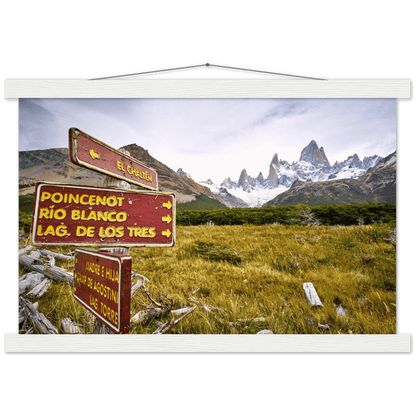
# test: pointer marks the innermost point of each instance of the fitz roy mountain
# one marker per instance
(378, 184)
(313, 166)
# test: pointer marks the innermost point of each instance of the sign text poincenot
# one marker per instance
(83, 215)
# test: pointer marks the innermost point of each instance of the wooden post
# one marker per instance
(117, 183)
(99, 327)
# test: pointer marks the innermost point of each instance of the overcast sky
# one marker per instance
(216, 138)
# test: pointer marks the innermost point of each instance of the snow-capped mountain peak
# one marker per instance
(313, 166)
(181, 172)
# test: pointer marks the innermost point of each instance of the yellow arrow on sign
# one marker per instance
(167, 219)
(94, 154)
(167, 205)
(167, 233)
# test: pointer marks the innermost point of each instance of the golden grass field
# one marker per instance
(254, 276)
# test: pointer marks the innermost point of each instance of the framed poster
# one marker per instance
(284, 209)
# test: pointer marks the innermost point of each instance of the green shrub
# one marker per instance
(215, 252)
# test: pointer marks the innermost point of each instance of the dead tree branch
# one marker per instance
(33, 262)
(56, 255)
(39, 320)
(166, 327)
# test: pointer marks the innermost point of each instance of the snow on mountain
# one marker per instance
(313, 166)
(388, 160)
(181, 172)
(256, 197)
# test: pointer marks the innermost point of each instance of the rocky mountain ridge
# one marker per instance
(310, 180)
(313, 165)
(378, 184)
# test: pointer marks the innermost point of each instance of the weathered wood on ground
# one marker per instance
(311, 295)
(25, 250)
(54, 272)
(167, 326)
(29, 281)
(22, 314)
(148, 314)
(39, 290)
(70, 327)
(138, 284)
(152, 313)
(56, 255)
(42, 324)
(180, 311)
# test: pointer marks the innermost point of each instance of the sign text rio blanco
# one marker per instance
(102, 284)
(85, 215)
(85, 150)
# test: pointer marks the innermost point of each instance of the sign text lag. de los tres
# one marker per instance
(86, 215)
(86, 151)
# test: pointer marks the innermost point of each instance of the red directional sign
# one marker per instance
(89, 152)
(85, 215)
(102, 283)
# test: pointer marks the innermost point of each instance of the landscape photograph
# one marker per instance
(275, 216)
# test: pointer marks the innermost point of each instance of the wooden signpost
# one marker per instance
(110, 217)
(86, 151)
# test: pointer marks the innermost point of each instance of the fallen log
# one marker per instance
(53, 272)
(42, 324)
(25, 250)
(29, 281)
(39, 290)
(56, 255)
(22, 314)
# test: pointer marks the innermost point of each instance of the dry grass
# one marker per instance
(251, 272)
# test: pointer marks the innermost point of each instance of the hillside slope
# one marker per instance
(54, 165)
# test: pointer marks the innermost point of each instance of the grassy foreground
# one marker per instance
(257, 271)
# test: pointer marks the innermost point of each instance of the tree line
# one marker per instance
(295, 214)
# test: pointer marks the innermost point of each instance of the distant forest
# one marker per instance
(296, 214)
